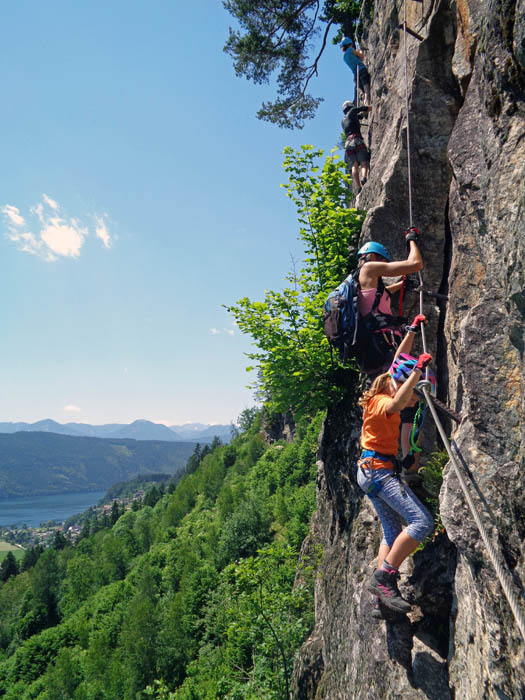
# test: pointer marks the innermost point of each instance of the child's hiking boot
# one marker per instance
(384, 584)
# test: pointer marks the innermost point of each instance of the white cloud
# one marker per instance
(63, 238)
(38, 211)
(50, 202)
(27, 243)
(229, 331)
(102, 232)
(13, 214)
(51, 234)
(72, 409)
(214, 331)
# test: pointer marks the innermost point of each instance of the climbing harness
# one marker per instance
(372, 454)
(365, 463)
(425, 388)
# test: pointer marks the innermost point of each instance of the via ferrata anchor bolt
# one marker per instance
(424, 384)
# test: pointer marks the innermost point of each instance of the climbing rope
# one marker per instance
(409, 171)
(407, 116)
(503, 575)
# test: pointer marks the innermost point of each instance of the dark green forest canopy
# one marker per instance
(282, 36)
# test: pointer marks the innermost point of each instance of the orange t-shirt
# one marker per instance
(380, 429)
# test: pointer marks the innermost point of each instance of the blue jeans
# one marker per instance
(393, 502)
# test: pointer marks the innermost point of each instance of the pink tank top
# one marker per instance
(366, 299)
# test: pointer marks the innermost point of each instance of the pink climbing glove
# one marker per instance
(423, 360)
(416, 323)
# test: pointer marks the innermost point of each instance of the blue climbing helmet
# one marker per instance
(373, 247)
(346, 42)
(403, 366)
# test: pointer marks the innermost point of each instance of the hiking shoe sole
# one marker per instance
(377, 614)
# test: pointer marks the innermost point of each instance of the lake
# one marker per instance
(34, 510)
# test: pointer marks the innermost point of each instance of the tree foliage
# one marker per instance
(8, 567)
(192, 597)
(287, 37)
(293, 362)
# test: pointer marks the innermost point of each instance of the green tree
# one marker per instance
(280, 36)
(215, 443)
(8, 567)
(194, 460)
(247, 418)
(151, 497)
(45, 583)
(80, 582)
(143, 529)
(63, 677)
(243, 532)
(115, 512)
(31, 557)
(294, 369)
(59, 541)
(139, 636)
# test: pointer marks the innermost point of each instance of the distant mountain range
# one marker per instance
(38, 463)
(138, 430)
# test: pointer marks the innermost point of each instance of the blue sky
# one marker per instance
(139, 193)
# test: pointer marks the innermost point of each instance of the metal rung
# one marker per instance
(411, 32)
(444, 408)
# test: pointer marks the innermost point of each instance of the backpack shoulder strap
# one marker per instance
(379, 293)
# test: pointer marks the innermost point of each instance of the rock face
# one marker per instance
(466, 86)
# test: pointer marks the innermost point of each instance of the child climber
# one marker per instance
(389, 394)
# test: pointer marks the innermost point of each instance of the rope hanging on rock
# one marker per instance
(502, 573)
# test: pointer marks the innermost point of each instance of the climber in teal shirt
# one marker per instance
(354, 59)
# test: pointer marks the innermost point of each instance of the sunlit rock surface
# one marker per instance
(466, 84)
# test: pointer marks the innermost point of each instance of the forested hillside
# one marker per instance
(44, 463)
(194, 594)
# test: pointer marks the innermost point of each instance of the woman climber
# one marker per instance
(377, 474)
(379, 331)
(354, 60)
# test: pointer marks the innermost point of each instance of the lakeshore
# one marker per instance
(33, 511)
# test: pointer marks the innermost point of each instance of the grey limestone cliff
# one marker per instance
(466, 83)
